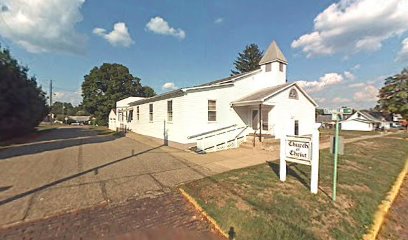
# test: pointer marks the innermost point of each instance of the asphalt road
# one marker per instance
(73, 168)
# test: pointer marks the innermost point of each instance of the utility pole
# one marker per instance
(50, 93)
(51, 117)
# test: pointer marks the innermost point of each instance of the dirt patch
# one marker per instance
(324, 222)
(354, 188)
(213, 193)
(353, 166)
(233, 178)
(365, 143)
(242, 205)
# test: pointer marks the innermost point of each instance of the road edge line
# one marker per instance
(386, 205)
(211, 220)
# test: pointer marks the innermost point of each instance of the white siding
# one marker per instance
(196, 110)
(285, 111)
(112, 120)
(174, 129)
(261, 80)
(356, 126)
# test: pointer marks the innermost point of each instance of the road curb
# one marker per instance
(212, 221)
(386, 205)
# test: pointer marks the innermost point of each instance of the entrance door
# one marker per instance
(255, 119)
(296, 127)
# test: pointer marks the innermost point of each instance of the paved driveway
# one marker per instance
(72, 168)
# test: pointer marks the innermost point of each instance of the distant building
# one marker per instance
(80, 119)
(366, 121)
(325, 120)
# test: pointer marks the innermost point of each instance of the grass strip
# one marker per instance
(259, 206)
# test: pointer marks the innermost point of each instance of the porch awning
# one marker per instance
(260, 96)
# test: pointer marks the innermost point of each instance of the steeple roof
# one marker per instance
(273, 54)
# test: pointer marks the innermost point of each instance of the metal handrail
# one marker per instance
(212, 131)
(244, 128)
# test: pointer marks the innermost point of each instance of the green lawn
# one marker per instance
(259, 206)
(325, 133)
(102, 130)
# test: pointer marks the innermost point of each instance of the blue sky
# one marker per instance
(338, 50)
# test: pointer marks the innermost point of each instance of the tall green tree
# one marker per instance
(22, 102)
(62, 108)
(148, 91)
(247, 60)
(107, 84)
(393, 96)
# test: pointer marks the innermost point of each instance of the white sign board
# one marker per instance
(299, 149)
(304, 150)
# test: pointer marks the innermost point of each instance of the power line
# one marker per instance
(65, 89)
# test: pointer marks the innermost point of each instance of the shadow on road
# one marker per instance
(57, 139)
(94, 170)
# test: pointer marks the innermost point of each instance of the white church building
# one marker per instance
(221, 113)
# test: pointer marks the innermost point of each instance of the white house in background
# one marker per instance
(363, 121)
(260, 101)
(120, 117)
(112, 119)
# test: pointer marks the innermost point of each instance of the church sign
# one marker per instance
(299, 149)
(302, 150)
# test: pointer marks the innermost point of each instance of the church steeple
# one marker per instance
(273, 54)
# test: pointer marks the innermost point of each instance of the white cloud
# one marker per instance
(67, 96)
(218, 20)
(367, 94)
(328, 79)
(348, 75)
(339, 100)
(356, 67)
(403, 53)
(351, 26)
(169, 86)
(320, 100)
(356, 85)
(42, 25)
(160, 26)
(119, 36)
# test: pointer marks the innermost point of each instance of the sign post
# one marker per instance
(314, 179)
(303, 150)
(336, 153)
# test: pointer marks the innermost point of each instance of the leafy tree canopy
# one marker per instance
(66, 108)
(107, 84)
(62, 108)
(247, 60)
(393, 96)
(22, 102)
(148, 91)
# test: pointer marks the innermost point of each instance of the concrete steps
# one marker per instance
(268, 143)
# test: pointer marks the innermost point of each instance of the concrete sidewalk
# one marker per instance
(218, 162)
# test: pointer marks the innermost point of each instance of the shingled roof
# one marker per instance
(260, 96)
(273, 54)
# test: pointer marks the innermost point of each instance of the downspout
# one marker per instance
(260, 122)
